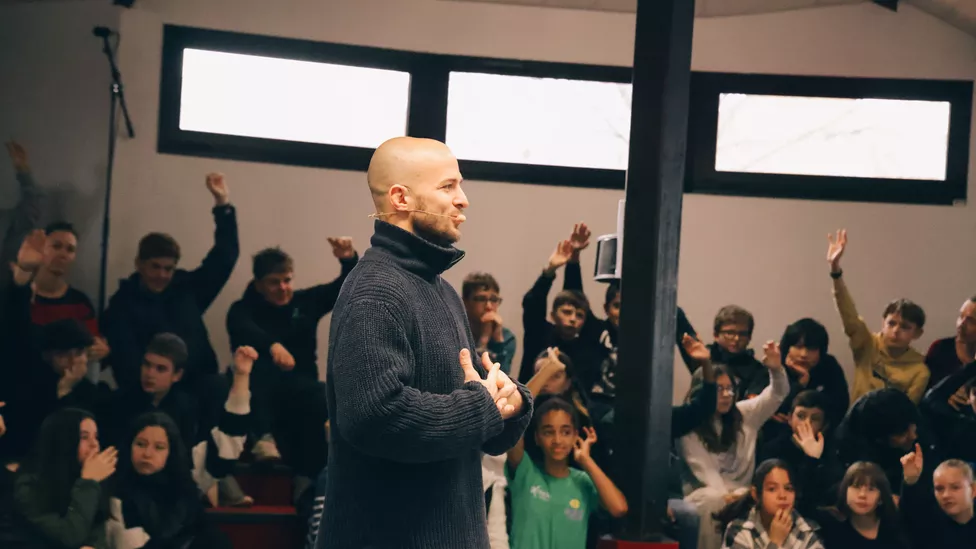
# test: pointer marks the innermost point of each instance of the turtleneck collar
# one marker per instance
(413, 253)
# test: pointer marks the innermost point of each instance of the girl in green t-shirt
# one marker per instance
(551, 501)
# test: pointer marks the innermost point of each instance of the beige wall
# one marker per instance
(766, 255)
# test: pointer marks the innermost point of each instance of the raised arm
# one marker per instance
(611, 497)
(701, 407)
(212, 274)
(573, 278)
(854, 326)
(757, 411)
(378, 413)
(27, 212)
(322, 298)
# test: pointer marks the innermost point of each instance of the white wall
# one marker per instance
(55, 98)
(767, 255)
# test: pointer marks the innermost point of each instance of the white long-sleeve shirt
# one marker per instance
(732, 470)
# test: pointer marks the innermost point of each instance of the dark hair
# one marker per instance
(478, 281)
(740, 508)
(807, 332)
(908, 309)
(731, 420)
(157, 246)
(865, 472)
(556, 404)
(885, 413)
(733, 314)
(60, 227)
(613, 290)
(169, 346)
(270, 261)
(810, 398)
(563, 357)
(66, 334)
(176, 472)
(971, 386)
(53, 460)
(571, 297)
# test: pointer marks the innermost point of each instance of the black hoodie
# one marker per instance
(255, 322)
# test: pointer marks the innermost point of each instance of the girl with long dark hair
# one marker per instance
(721, 452)
(766, 518)
(161, 483)
(59, 497)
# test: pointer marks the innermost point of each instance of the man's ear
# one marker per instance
(399, 199)
(178, 375)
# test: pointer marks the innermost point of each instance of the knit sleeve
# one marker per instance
(514, 427)
(377, 412)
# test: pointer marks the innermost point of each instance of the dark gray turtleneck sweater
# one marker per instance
(407, 431)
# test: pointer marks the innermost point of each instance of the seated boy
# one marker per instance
(481, 295)
(733, 328)
(884, 359)
(568, 316)
(803, 448)
(945, 521)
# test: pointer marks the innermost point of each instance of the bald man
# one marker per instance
(412, 409)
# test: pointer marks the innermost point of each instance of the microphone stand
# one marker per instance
(118, 98)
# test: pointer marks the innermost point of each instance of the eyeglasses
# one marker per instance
(733, 334)
(494, 300)
(726, 390)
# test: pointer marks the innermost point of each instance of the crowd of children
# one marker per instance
(117, 431)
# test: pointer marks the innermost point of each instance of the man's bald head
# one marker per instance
(407, 161)
(416, 185)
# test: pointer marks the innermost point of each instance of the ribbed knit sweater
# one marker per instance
(407, 431)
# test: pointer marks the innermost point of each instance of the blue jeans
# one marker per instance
(686, 523)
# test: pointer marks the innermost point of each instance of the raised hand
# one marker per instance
(835, 249)
(217, 186)
(959, 399)
(244, 358)
(911, 465)
(18, 157)
(581, 451)
(580, 238)
(811, 445)
(802, 374)
(696, 349)
(562, 255)
(771, 356)
(101, 465)
(99, 349)
(282, 358)
(342, 247)
(781, 526)
(73, 375)
(31, 253)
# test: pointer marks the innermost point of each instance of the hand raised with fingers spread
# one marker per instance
(31, 253)
(581, 450)
(217, 185)
(835, 249)
(911, 465)
(560, 257)
(580, 239)
(342, 247)
(812, 445)
(696, 349)
(771, 356)
(18, 157)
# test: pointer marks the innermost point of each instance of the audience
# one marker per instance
(720, 453)
(955, 427)
(160, 298)
(733, 328)
(59, 494)
(482, 298)
(766, 517)
(884, 359)
(23, 218)
(866, 513)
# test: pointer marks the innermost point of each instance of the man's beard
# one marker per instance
(425, 226)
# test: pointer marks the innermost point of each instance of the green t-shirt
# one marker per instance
(549, 512)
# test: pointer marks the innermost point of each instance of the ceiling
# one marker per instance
(959, 13)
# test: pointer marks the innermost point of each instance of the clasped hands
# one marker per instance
(502, 389)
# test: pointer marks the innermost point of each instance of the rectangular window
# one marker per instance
(830, 136)
(538, 121)
(291, 100)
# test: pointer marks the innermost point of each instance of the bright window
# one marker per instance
(875, 138)
(252, 96)
(540, 121)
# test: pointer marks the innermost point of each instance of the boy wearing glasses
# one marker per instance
(733, 333)
(480, 293)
